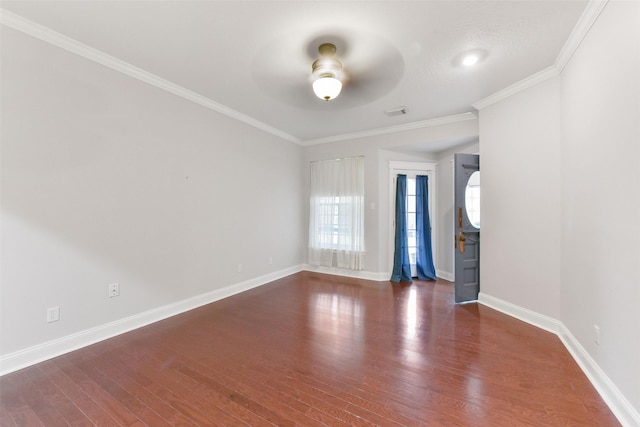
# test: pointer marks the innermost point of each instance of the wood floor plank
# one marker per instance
(13, 388)
(315, 350)
(74, 393)
(41, 396)
(74, 365)
(5, 417)
(137, 385)
(59, 400)
(237, 379)
(178, 392)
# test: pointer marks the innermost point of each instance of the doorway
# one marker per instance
(411, 170)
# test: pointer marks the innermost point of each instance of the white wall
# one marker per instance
(601, 195)
(107, 179)
(378, 151)
(560, 202)
(521, 199)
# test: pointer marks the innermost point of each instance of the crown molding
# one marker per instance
(393, 129)
(586, 21)
(579, 32)
(52, 37)
(509, 91)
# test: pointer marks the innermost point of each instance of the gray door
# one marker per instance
(467, 226)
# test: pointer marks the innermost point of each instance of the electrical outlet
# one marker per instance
(596, 336)
(114, 290)
(53, 314)
(270, 260)
(239, 268)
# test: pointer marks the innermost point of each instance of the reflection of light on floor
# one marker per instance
(337, 322)
(412, 314)
(474, 389)
(410, 344)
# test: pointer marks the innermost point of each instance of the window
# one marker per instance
(335, 228)
(336, 220)
(472, 199)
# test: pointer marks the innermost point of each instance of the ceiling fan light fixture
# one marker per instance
(327, 87)
(326, 73)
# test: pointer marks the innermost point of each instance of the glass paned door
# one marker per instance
(411, 223)
(411, 170)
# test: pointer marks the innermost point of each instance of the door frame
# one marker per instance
(413, 168)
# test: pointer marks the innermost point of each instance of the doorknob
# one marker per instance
(461, 240)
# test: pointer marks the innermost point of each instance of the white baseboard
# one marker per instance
(616, 401)
(536, 319)
(619, 405)
(48, 350)
(446, 275)
(367, 275)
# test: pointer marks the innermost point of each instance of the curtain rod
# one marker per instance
(334, 160)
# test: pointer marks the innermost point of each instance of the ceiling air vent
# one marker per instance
(396, 111)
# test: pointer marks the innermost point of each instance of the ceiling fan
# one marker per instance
(327, 73)
(359, 67)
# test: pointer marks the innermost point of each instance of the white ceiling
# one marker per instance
(254, 58)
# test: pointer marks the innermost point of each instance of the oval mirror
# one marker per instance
(472, 199)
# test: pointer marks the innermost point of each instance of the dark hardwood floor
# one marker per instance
(315, 350)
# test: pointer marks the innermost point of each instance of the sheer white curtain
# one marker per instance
(336, 221)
